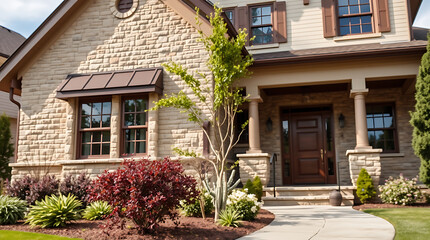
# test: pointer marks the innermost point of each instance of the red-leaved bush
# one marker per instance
(147, 192)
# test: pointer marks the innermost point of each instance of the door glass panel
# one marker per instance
(286, 137)
(328, 131)
(287, 167)
(330, 166)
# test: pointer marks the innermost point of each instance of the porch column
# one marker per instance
(254, 126)
(360, 118)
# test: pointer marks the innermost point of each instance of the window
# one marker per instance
(261, 24)
(94, 130)
(381, 127)
(134, 126)
(230, 15)
(355, 16)
(124, 5)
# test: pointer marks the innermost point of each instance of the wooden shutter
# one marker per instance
(280, 22)
(382, 15)
(329, 18)
(243, 20)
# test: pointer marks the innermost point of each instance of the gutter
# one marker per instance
(15, 84)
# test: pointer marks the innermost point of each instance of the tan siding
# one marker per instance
(305, 28)
(6, 106)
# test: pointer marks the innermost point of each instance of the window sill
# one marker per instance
(358, 36)
(391, 155)
(263, 46)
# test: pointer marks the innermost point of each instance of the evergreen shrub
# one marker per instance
(365, 187)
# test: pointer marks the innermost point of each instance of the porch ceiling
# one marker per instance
(307, 89)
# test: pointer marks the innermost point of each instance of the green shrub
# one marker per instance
(193, 209)
(254, 187)
(365, 188)
(12, 209)
(400, 191)
(54, 211)
(97, 210)
(6, 147)
(245, 204)
(229, 218)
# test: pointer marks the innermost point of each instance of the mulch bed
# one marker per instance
(189, 228)
(386, 205)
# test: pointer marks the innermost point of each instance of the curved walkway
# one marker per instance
(323, 222)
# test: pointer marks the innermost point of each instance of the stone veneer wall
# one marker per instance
(97, 41)
(391, 164)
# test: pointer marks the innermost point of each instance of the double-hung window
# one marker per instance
(94, 128)
(230, 15)
(134, 126)
(381, 127)
(355, 17)
(262, 24)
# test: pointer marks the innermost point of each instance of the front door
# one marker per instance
(311, 153)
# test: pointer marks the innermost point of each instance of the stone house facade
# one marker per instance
(326, 97)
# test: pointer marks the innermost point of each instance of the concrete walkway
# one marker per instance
(323, 222)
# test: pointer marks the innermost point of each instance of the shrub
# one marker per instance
(12, 209)
(245, 204)
(365, 188)
(97, 210)
(400, 191)
(33, 189)
(254, 187)
(76, 186)
(144, 191)
(249, 186)
(6, 147)
(229, 218)
(193, 209)
(54, 211)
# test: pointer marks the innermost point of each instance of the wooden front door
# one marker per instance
(311, 153)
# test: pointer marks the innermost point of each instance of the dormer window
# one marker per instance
(355, 17)
(261, 24)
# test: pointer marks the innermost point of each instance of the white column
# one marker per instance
(254, 126)
(360, 118)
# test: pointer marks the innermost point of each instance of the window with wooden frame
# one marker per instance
(94, 128)
(355, 17)
(230, 15)
(262, 24)
(381, 126)
(347, 17)
(134, 126)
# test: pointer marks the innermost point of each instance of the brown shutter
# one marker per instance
(280, 22)
(243, 20)
(329, 18)
(236, 18)
(383, 16)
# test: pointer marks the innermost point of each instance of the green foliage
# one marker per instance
(12, 209)
(54, 211)
(97, 210)
(245, 204)
(249, 186)
(255, 187)
(365, 188)
(6, 147)
(229, 218)
(420, 118)
(6, 234)
(400, 191)
(193, 209)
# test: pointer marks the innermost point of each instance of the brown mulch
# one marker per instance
(189, 228)
(386, 205)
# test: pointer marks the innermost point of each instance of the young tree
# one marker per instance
(420, 119)
(218, 97)
(6, 147)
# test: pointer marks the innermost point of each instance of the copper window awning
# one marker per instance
(112, 83)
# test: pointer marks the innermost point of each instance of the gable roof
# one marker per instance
(63, 14)
(9, 41)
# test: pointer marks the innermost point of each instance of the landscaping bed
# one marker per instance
(189, 228)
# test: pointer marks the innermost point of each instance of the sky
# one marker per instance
(24, 16)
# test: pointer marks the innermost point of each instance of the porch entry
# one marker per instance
(308, 154)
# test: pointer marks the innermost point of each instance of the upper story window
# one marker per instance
(261, 24)
(355, 16)
(135, 126)
(94, 130)
(230, 15)
(381, 127)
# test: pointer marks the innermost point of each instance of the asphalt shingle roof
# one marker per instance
(9, 41)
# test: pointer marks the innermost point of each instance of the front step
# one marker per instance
(306, 195)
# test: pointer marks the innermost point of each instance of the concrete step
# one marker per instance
(306, 195)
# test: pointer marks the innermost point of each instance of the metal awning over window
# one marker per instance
(112, 83)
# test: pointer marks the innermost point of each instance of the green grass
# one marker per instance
(410, 223)
(6, 234)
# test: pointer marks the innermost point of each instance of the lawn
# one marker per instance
(410, 223)
(6, 234)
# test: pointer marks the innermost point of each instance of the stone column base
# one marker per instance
(368, 159)
(254, 164)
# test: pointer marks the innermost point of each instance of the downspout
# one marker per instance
(15, 84)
